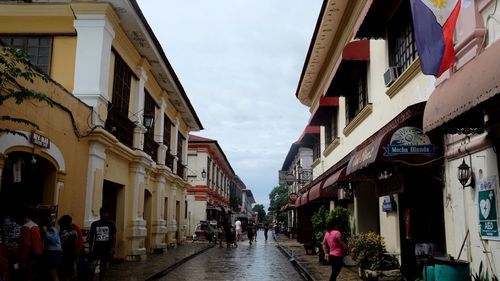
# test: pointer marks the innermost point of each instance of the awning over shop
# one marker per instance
(322, 107)
(298, 201)
(474, 83)
(315, 192)
(303, 199)
(336, 179)
(213, 208)
(401, 140)
(357, 50)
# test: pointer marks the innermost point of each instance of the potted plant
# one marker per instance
(319, 221)
(368, 249)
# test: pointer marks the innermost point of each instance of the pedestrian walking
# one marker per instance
(52, 251)
(250, 231)
(266, 229)
(102, 240)
(220, 234)
(69, 244)
(333, 239)
(237, 224)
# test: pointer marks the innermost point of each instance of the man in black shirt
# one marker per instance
(102, 240)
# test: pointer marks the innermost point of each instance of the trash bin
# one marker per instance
(445, 269)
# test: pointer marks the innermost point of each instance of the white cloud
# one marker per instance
(240, 63)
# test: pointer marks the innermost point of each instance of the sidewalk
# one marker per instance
(311, 264)
(135, 271)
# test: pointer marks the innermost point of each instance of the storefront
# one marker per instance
(407, 189)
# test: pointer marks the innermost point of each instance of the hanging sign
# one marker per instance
(39, 140)
(409, 140)
(293, 197)
(487, 205)
(388, 204)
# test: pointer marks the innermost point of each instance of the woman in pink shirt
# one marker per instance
(333, 238)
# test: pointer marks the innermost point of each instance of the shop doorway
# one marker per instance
(147, 217)
(113, 198)
(28, 181)
(421, 220)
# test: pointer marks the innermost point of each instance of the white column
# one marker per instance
(138, 110)
(173, 145)
(92, 62)
(97, 156)
(171, 208)
(184, 215)
(162, 148)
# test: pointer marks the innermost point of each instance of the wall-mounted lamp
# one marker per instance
(203, 174)
(149, 120)
(464, 174)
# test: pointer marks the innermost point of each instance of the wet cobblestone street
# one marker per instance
(260, 261)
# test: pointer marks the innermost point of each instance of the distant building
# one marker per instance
(210, 176)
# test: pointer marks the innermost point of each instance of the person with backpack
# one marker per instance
(69, 242)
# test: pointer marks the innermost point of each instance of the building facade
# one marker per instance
(210, 175)
(107, 56)
(393, 139)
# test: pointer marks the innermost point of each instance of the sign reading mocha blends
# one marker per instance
(292, 197)
(409, 140)
(487, 205)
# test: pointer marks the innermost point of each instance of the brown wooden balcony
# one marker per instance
(150, 146)
(121, 127)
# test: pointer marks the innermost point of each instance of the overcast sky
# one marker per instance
(239, 62)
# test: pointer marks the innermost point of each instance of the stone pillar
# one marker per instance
(172, 227)
(184, 215)
(159, 225)
(136, 230)
(92, 62)
(95, 180)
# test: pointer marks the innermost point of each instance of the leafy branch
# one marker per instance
(16, 65)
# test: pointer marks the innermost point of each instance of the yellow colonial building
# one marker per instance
(118, 131)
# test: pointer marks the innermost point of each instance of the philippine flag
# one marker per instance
(434, 22)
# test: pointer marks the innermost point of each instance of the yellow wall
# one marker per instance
(56, 125)
(63, 61)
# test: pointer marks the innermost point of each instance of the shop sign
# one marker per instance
(293, 197)
(487, 204)
(388, 204)
(40, 140)
(409, 140)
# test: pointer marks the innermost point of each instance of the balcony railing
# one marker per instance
(150, 146)
(121, 127)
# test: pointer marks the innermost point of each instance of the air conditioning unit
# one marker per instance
(391, 75)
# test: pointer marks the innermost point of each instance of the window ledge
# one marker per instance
(365, 112)
(404, 79)
(316, 162)
(331, 147)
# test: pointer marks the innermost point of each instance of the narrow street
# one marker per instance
(259, 261)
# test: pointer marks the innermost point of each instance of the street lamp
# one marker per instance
(203, 174)
(464, 174)
(149, 120)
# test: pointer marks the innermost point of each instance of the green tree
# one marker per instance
(15, 65)
(259, 208)
(279, 198)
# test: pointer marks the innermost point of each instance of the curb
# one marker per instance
(177, 264)
(298, 266)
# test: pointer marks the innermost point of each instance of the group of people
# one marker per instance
(33, 248)
(233, 233)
